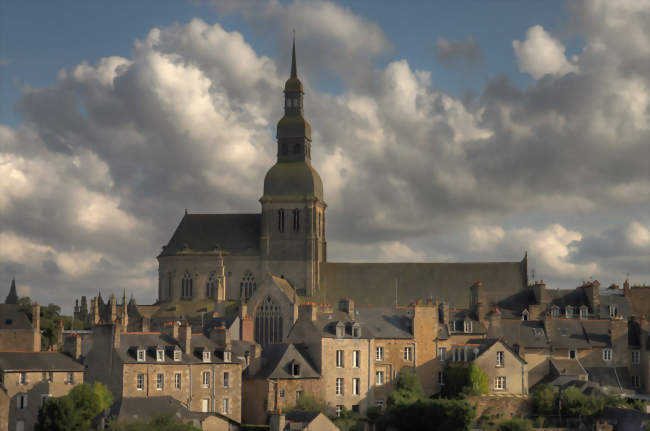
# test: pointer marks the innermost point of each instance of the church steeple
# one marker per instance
(294, 69)
(12, 298)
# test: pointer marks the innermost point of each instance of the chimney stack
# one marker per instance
(185, 338)
(221, 336)
(308, 311)
(346, 305)
(626, 287)
(116, 334)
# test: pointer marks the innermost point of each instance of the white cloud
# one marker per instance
(541, 54)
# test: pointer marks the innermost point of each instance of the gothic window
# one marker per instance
(247, 286)
(525, 315)
(186, 285)
(281, 220)
(296, 220)
(211, 286)
(268, 322)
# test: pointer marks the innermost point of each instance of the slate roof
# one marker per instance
(38, 361)
(526, 333)
(373, 284)
(567, 333)
(568, 367)
(235, 234)
(130, 409)
(298, 416)
(614, 297)
(12, 318)
(278, 358)
(612, 377)
(460, 316)
(374, 322)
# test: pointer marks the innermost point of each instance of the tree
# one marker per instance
(465, 380)
(75, 411)
(514, 424)
(544, 400)
(349, 421)
(307, 403)
(160, 423)
(447, 415)
(479, 381)
(407, 388)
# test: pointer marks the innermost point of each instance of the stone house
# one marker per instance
(203, 372)
(27, 379)
(17, 332)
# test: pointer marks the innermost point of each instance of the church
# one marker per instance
(275, 259)
(266, 264)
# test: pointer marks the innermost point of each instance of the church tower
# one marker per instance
(293, 210)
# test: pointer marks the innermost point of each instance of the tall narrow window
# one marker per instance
(500, 382)
(268, 322)
(225, 409)
(205, 381)
(210, 285)
(226, 379)
(356, 386)
(177, 380)
(339, 359)
(281, 220)
(186, 285)
(160, 381)
(568, 312)
(296, 220)
(379, 354)
(248, 285)
(356, 358)
(499, 359)
(339, 386)
(170, 284)
(379, 378)
(140, 382)
(408, 354)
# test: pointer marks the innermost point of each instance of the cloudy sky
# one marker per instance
(464, 131)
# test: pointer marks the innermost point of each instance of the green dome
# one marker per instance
(292, 180)
(293, 85)
(294, 126)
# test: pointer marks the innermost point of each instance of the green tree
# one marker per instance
(514, 424)
(479, 381)
(456, 379)
(307, 403)
(160, 423)
(447, 415)
(544, 400)
(408, 388)
(75, 411)
(349, 421)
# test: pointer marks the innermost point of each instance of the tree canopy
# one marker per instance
(447, 415)
(75, 411)
(408, 389)
(161, 423)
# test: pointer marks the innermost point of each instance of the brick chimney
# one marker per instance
(185, 338)
(346, 305)
(116, 334)
(308, 311)
(171, 328)
(592, 292)
(626, 287)
(478, 302)
(221, 336)
(425, 321)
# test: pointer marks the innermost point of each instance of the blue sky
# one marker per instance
(443, 131)
(39, 38)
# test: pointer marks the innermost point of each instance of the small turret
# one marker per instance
(12, 297)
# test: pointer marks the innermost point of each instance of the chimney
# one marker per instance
(72, 346)
(145, 324)
(346, 305)
(539, 290)
(308, 311)
(116, 334)
(593, 295)
(444, 312)
(277, 421)
(221, 336)
(96, 317)
(477, 301)
(495, 317)
(618, 329)
(185, 338)
(36, 316)
(425, 321)
(255, 359)
(626, 287)
(59, 334)
(77, 347)
(112, 303)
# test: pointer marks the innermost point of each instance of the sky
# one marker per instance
(443, 131)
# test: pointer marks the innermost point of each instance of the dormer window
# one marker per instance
(227, 356)
(555, 311)
(177, 354)
(569, 312)
(295, 369)
(584, 312)
(613, 311)
(206, 356)
(525, 315)
(141, 355)
(160, 354)
(340, 330)
(356, 330)
(467, 327)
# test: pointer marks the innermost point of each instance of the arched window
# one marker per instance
(296, 220)
(524, 315)
(247, 286)
(186, 285)
(268, 323)
(281, 220)
(211, 285)
(555, 311)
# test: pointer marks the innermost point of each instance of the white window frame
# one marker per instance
(408, 353)
(227, 356)
(379, 378)
(281, 393)
(467, 326)
(69, 378)
(636, 357)
(225, 406)
(160, 381)
(500, 383)
(139, 382)
(205, 379)
(339, 410)
(379, 404)
(555, 311)
(226, 379)
(206, 356)
(500, 358)
(442, 354)
(356, 358)
(441, 378)
(636, 381)
(613, 311)
(575, 353)
(298, 394)
(379, 353)
(356, 386)
(160, 355)
(339, 385)
(177, 355)
(608, 355)
(22, 378)
(339, 359)
(568, 312)
(584, 313)
(295, 369)
(141, 356)
(177, 381)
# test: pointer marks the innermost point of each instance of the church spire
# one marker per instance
(294, 69)
(12, 298)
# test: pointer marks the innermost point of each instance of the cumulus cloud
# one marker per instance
(109, 155)
(541, 54)
(454, 51)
